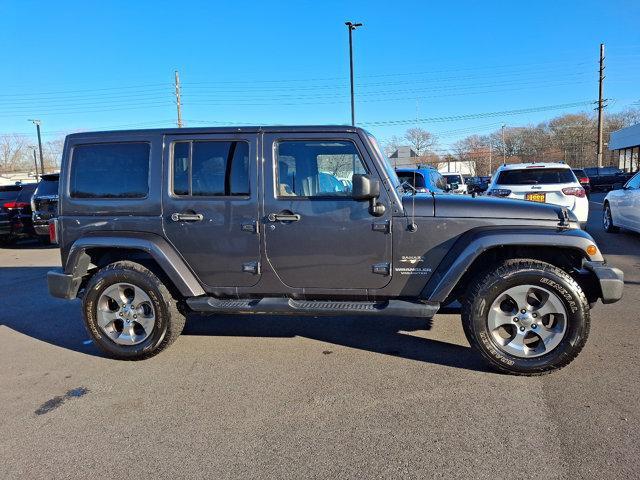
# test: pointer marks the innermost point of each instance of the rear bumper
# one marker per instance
(41, 229)
(63, 285)
(611, 280)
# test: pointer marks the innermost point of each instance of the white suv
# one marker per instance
(455, 178)
(541, 182)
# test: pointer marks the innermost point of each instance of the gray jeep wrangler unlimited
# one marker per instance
(154, 224)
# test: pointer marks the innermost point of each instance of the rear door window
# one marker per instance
(211, 168)
(535, 176)
(110, 170)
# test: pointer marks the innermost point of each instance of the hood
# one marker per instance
(464, 206)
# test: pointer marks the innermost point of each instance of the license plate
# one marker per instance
(536, 197)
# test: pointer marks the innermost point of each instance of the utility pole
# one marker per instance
(352, 26)
(490, 159)
(504, 147)
(600, 106)
(178, 104)
(35, 162)
(37, 124)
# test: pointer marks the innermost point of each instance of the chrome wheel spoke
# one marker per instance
(116, 293)
(517, 342)
(128, 335)
(106, 318)
(146, 322)
(497, 318)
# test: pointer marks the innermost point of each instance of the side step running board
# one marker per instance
(397, 308)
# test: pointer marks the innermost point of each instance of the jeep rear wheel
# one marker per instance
(129, 313)
(527, 317)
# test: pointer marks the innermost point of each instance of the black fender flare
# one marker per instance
(475, 242)
(157, 247)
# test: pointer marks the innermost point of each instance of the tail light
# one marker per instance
(15, 205)
(583, 180)
(53, 230)
(576, 191)
(499, 192)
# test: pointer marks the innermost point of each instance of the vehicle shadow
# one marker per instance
(383, 335)
(59, 322)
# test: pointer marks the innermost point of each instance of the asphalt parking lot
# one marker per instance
(280, 397)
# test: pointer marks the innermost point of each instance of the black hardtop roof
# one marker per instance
(238, 129)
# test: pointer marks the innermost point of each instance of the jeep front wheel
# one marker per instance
(527, 317)
(129, 313)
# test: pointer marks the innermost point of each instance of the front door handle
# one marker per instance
(187, 217)
(284, 217)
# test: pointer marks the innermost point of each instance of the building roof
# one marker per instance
(625, 138)
(404, 152)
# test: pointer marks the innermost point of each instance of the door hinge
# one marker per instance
(249, 227)
(384, 227)
(381, 268)
(251, 267)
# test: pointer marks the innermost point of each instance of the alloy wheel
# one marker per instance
(527, 321)
(126, 314)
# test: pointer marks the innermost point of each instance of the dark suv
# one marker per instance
(15, 212)
(309, 221)
(44, 204)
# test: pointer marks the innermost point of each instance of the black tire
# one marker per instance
(515, 272)
(607, 220)
(169, 321)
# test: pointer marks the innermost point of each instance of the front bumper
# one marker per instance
(63, 285)
(611, 280)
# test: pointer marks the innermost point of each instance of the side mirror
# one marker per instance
(454, 186)
(364, 187)
(367, 188)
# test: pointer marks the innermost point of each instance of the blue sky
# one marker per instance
(88, 64)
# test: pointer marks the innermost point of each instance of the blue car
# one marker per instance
(424, 180)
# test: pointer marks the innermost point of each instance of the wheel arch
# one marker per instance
(88, 254)
(476, 251)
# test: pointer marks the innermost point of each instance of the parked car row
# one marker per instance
(26, 208)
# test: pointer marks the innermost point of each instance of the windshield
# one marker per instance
(534, 176)
(391, 173)
(453, 179)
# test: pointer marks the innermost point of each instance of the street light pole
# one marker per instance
(37, 124)
(351, 27)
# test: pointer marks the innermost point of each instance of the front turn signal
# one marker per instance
(592, 250)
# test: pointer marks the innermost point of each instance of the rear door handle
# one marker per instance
(284, 217)
(187, 217)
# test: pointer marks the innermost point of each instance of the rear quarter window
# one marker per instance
(535, 176)
(47, 187)
(415, 179)
(110, 170)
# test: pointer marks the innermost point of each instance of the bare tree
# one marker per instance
(13, 152)
(420, 140)
(392, 145)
